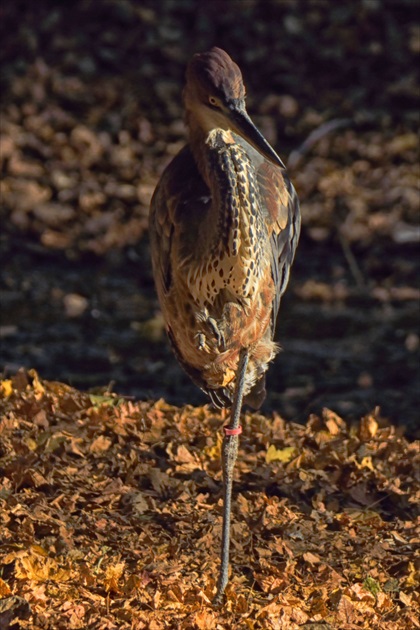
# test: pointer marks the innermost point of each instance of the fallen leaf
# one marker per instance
(4, 589)
(113, 574)
(282, 455)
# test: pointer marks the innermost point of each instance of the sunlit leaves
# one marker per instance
(111, 516)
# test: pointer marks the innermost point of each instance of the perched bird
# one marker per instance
(224, 226)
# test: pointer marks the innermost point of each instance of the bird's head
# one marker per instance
(214, 97)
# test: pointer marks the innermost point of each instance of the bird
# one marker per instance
(224, 225)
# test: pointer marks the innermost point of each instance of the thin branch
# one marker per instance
(351, 260)
(314, 137)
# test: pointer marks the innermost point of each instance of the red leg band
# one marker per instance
(228, 431)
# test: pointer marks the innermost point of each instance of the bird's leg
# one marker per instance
(229, 453)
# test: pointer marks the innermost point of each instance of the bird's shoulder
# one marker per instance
(277, 196)
(180, 186)
(179, 199)
(279, 205)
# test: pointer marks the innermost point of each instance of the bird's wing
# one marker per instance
(280, 205)
(178, 203)
(179, 194)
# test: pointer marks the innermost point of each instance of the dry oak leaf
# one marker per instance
(4, 589)
(100, 445)
(40, 569)
(113, 575)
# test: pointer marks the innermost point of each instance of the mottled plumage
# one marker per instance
(224, 226)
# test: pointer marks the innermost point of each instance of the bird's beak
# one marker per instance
(246, 128)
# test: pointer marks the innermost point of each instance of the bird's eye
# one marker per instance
(213, 101)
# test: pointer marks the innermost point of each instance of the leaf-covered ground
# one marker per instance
(111, 517)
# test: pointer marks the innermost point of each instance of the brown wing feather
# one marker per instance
(180, 189)
(281, 205)
(180, 192)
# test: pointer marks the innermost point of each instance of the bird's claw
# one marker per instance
(220, 337)
(201, 341)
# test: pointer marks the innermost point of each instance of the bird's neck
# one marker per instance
(204, 141)
(233, 227)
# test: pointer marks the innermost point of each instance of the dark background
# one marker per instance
(92, 113)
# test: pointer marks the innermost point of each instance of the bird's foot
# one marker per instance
(220, 337)
(201, 341)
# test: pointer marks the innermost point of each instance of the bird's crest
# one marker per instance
(215, 72)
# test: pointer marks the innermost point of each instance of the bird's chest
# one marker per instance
(234, 255)
(210, 337)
